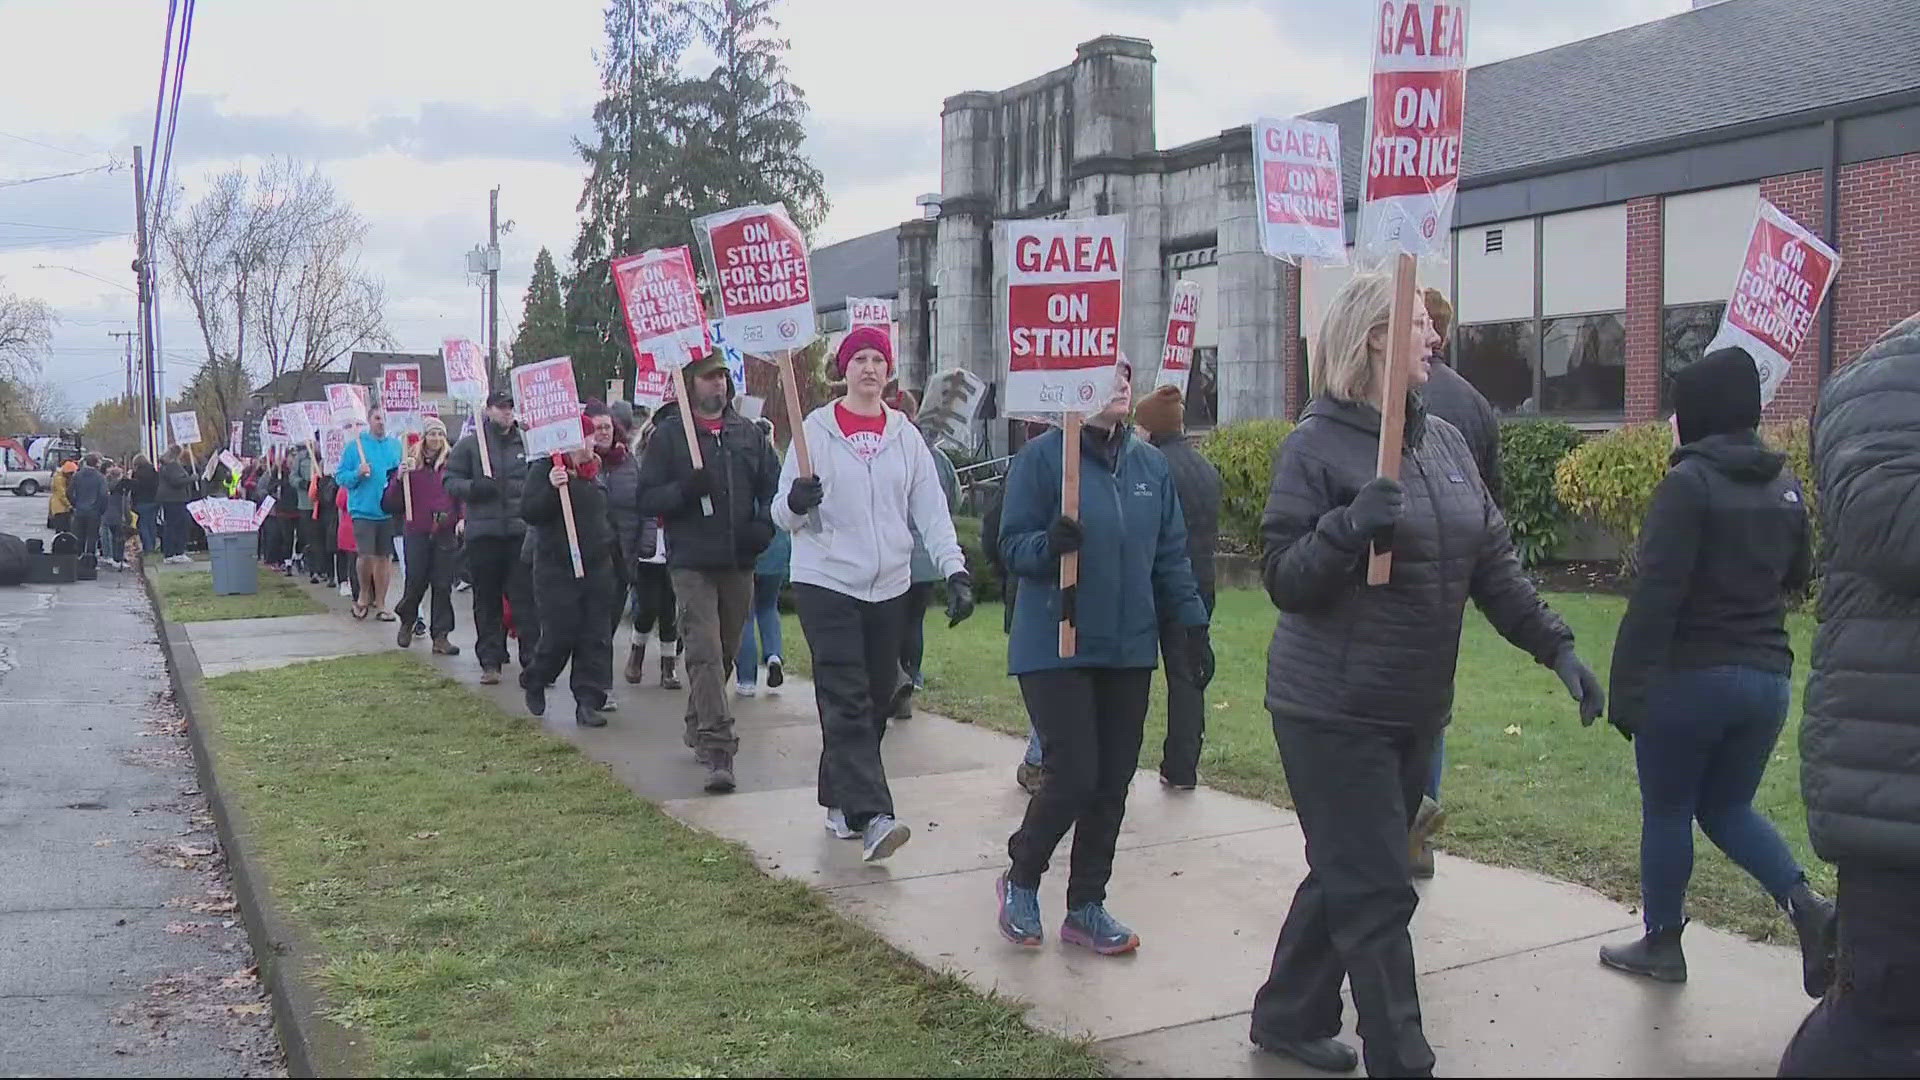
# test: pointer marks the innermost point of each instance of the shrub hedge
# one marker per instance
(1243, 453)
(1530, 451)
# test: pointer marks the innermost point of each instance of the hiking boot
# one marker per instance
(404, 637)
(1420, 860)
(1019, 915)
(882, 837)
(668, 680)
(443, 647)
(1028, 777)
(901, 707)
(1178, 785)
(776, 673)
(1326, 1055)
(1812, 917)
(837, 825)
(719, 772)
(536, 698)
(587, 715)
(636, 658)
(1090, 927)
(489, 676)
(1656, 956)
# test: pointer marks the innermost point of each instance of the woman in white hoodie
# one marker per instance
(852, 524)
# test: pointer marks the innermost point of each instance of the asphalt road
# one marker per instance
(121, 953)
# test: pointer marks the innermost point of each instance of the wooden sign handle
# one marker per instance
(406, 491)
(1393, 396)
(480, 436)
(790, 386)
(692, 430)
(566, 516)
(1070, 507)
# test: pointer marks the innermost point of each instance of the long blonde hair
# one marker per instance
(1341, 366)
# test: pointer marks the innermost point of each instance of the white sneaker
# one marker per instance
(346, 588)
(837, 825)
(745, 689)
(883, 836)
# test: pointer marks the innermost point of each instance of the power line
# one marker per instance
(108, 167)
(160, 94)
(173, 106)
(61, 228)
(49, 146)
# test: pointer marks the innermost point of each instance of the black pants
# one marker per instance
(856, 665)
(276, 539)
(913, 641)
(575, 632)
(430, 559)
(1869, 1023)
(1090, 722)
(653, 601)
(308, 529)
(498, 572)
(1355, 794)
(87, 527)
(1186, 706)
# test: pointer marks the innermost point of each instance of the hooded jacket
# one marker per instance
(87, 491)
(1134, 570)
(1346, 654)
(540, 505)
(620, 475)
(1860, 739)
(1197, 483)
(364, 493)
(924, 569)
(497, 516)
(741, 464)
(176, 483)
(859, 542)
(1726, 539)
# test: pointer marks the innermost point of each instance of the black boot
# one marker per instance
(1656, 956)
(536, 697)
(1327, 1055)
(586, 715)
(1812, 917)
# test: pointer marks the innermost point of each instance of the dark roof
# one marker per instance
(365, 368)
(299, 385)
(1684, 75)
(863, 266)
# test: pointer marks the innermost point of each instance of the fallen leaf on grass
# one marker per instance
(1513, 729)
(1221, 705)
(425, 835)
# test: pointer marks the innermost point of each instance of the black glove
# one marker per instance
(807, 492)
(1377, 508)
(1200, 656)
(1582, 685)
(959, 599)
(698, 484)
(1064, 536)
(482, 489)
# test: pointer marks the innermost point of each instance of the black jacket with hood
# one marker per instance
(745, 474)
(496, 514)
(1452, 398)
(540, 506)
(1860, 740)
(1382, 659)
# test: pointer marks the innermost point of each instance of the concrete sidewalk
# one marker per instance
(1509, 981)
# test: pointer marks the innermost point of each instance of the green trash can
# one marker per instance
(233, 556)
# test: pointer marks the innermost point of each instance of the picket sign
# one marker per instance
(1297, 179)
(1416, 116)
(1183, 322)
(660, 300)
(549, 402)
(1783, 279)
(185, 427)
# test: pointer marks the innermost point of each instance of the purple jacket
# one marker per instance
(435, 510)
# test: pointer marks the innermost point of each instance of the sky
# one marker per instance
(415, 109)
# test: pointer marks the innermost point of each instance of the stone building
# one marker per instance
(1607, 189)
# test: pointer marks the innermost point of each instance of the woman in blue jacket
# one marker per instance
(1090, 708)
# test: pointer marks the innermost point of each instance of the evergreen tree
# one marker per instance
(746, 147)
(544, 331)
(635, 196)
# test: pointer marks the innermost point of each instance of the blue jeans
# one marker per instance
(760, 637)
(149, 527)
(1439, 765)
(1034, 757)
(1701, 753)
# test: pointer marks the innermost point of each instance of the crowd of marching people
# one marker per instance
(692, 527)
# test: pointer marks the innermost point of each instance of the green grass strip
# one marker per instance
(187, 596)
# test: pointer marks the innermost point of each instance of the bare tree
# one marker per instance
(26, 331)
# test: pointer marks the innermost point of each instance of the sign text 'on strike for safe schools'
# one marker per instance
(662, 303)
(759, 269)
(1776, 296)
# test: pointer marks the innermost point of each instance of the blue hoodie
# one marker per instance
(364, 492)
(1133, 562)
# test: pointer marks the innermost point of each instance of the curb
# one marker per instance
(312, 1045)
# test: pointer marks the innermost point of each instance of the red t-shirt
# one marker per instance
(864, 432)
(711, 427)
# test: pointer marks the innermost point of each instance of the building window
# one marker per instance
(1203, 389)
(1500, 359)
(1685, 330)
(1584, 364)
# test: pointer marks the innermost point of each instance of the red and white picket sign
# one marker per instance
(1183, 320)
(763, 279)
(1063, 312)
(1783, 279)
(549, 404)
(661, 302)
(466, 369)
(348, 404)
(1297, 177)
(185, 427)
(1416, 114)
(315, 417)
(652, 384)
(278, 437)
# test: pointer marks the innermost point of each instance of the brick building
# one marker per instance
(1607, 189)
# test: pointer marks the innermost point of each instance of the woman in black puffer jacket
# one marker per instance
(1360, 679)
(1860, 741)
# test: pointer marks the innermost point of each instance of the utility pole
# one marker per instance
(150, 430)
(493, 286)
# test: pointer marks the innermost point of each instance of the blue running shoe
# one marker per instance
(1089, 926)
(1019, 912)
